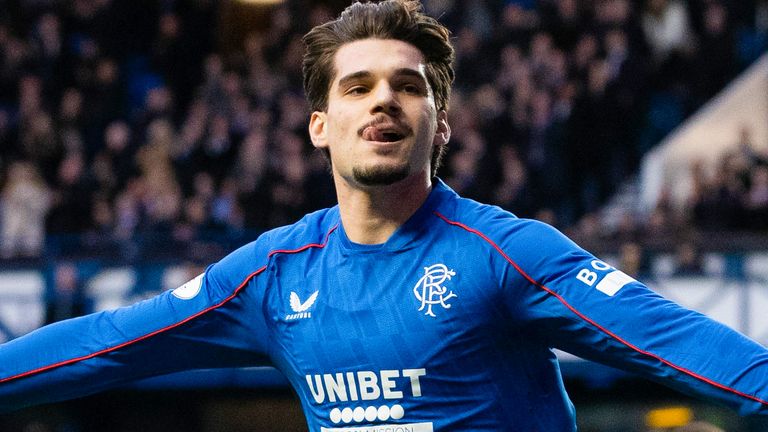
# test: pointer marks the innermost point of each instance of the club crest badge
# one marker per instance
(430, 289)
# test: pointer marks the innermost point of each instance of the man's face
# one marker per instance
(381, 123)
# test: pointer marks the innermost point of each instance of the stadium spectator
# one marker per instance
(716, 201)
(716, 62)
(513, 191)
(757, 199)
(667, 30)
(24, 202)
(72, 196)
(68, 298)
(633, 260)
(688, 259)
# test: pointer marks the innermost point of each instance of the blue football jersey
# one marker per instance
(448, 326)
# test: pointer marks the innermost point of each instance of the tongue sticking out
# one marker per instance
(373, 134)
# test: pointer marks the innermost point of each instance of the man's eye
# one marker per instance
(411, 89)
(357, 90)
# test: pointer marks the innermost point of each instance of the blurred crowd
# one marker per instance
(726, 211)
(137, 119)
(735, 195)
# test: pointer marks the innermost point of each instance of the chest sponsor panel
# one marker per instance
(365, 385)
(365, 396)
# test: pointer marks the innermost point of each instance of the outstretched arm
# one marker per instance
(584, 306)
(202, 324)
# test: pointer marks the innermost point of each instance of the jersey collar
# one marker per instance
(406, 235)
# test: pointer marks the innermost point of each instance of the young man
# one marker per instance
(406, 304)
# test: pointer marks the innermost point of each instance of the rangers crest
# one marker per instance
(430, 291)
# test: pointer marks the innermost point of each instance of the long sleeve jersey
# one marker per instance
(448, 326)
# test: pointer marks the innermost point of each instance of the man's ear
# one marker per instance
(317, 131)
(443, 131)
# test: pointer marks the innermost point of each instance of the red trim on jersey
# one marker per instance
(592, 322)
(172, 326)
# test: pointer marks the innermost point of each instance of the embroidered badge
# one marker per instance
(430, 291)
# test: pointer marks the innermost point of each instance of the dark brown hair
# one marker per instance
(389, 19)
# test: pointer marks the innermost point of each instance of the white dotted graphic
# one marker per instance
(358, 414)
(371, 413)
(335, 415)
(397, 412)
(384, 413)
(368, 414)
(346, 415)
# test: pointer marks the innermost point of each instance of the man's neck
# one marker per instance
(370, 215)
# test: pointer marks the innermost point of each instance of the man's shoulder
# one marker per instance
(495, 222)
(313, 228)
(469, 211)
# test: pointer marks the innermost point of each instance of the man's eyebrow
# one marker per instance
(408, 72)
(354, 76)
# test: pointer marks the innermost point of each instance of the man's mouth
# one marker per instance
(373, 133)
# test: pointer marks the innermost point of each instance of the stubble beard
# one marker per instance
(379, 175)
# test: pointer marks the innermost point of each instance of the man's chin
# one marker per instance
(379, 175)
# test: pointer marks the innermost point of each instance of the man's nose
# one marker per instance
(385, 100)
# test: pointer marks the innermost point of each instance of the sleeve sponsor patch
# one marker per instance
(190, 289)
(613, 282)
(610, 279)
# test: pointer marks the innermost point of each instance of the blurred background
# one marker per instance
(141, 140)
